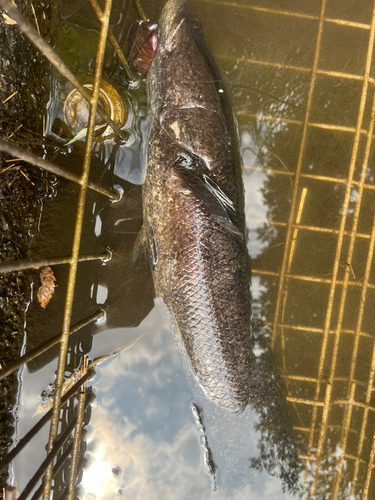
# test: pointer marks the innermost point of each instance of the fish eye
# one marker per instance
(196, 24)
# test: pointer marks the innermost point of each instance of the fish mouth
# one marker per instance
(172, 21)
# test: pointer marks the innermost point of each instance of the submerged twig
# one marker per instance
(20, 265)
(113, 41)
(36, 20)
(100, 359)
(17, 129)
(50, 457)
(28, 157)
(78, 374)
(10, 97)
(42, 422)
(26, 177)
(140, 10)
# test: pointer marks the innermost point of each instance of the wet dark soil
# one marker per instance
(23, 94)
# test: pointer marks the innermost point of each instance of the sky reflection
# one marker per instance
(143, 426)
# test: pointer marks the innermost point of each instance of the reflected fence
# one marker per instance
(335, 421)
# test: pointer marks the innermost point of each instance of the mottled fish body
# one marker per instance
(194, 222)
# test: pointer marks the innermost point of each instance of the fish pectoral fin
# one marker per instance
(145, 242)
(139, 246)
(152, 249)
(214, 199)
(221, 196)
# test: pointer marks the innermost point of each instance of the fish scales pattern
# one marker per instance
(202, 269)
(203, 286)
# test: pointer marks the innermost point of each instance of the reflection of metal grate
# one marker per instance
(334, 417)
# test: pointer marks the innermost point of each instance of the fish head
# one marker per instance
(184, 88)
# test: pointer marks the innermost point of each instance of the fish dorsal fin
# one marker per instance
(213, 197)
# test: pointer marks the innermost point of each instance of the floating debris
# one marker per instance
(83, 134)
(76, 109)
(47, 398)
(10, 97)
(143, 42)
(8, 20)
(209, 461)
(47, 289)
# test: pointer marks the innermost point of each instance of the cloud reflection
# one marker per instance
(143, 425)
(153, 468)
(150, 467)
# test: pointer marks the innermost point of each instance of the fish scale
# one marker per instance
(202, 268)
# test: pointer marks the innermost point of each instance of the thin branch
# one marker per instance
(50, 457)
(40, 349)
(28, 157)
(42, 422)
(113, 41)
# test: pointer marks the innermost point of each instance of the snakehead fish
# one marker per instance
(193, 208)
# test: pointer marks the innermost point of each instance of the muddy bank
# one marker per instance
(23, 93)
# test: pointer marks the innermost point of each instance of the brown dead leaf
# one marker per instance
(45, 292)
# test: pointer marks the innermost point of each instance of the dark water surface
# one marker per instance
(302, 86)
